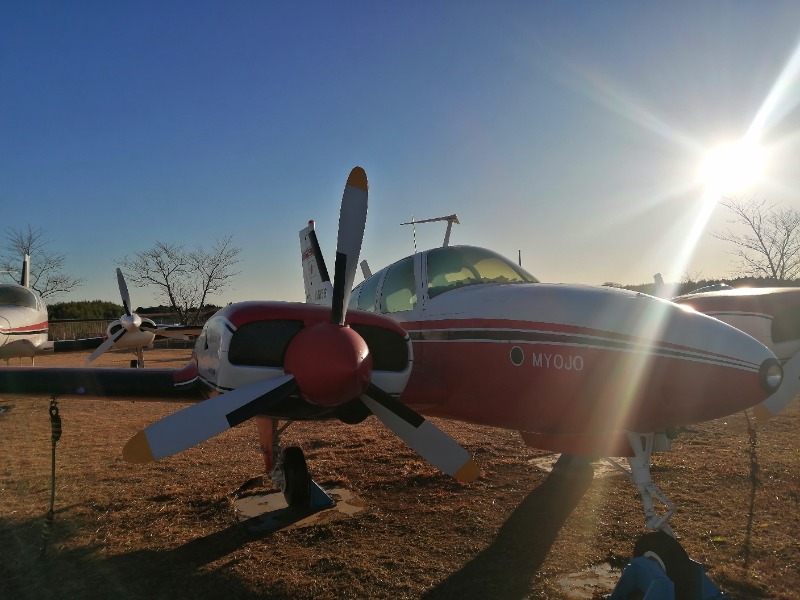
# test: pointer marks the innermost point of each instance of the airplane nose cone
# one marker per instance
(5, 326)
(771, 375)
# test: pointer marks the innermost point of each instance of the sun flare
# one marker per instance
(733, 168)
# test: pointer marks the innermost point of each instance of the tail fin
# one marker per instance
(316, 280)
(25, 280)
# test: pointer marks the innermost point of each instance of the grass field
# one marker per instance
(167, 530)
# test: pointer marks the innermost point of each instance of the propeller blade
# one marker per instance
(123, 292)
(788, 390)
(352, 220)
(199, 422)
(427, 440)
(106, 345)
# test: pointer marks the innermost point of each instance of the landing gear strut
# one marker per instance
(660, 566)
(139, 362)
(643, 445)
(288, 469)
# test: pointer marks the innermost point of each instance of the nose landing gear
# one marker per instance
(288, 469)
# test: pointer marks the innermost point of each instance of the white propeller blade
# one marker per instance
(427, 440)
(197, 423)
(106, 345)
(352, 220)
(789, 388)
(123, 292)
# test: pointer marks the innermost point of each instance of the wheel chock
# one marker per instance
(319, 498)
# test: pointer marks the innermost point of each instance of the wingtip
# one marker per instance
(358, 178)
(138, 450)
(470, 471)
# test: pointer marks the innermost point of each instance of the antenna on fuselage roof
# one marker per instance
(450, 220)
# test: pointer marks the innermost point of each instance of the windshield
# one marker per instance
(14, 295)
(460, 266)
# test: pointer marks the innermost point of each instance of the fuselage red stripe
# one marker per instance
(557, 334)
(25, 329)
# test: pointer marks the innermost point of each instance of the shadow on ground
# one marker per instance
(86, 573)
(505, 568)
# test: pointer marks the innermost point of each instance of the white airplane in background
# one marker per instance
(24, 326)
(770, 314)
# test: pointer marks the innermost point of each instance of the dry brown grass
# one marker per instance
(167, 530)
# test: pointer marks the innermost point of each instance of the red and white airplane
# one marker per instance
(24, 325)
(457, 332)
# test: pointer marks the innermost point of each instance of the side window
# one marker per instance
(399, 291)
(366, 299)
(354, 297)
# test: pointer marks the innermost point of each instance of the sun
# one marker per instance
(733, 168)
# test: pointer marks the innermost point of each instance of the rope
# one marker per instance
(55, 435)
(752, 443)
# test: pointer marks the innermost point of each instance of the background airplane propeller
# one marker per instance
(140, 330)
(328, 363)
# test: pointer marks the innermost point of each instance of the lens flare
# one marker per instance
(733, 168)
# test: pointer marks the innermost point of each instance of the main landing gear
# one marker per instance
(660, 569)
(138, 363)
(288, 469)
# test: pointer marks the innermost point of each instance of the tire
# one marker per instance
(673, 558)
(298, 481)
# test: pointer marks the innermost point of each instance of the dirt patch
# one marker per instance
(168, 530)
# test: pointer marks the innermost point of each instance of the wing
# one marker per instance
(59, 346)
(177, 385)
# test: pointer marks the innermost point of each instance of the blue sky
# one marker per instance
(572, 131)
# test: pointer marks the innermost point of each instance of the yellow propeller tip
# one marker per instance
(358, 178)
(468, 472)
(137, 450)
(762, 413)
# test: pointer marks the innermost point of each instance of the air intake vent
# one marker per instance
(388, 348)
(262, 343)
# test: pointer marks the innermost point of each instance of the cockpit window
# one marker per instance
(12, 295)
(399, 291)
(459, 266)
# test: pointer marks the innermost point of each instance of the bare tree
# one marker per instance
(47, 276)
(771, 246)
(185, 279)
